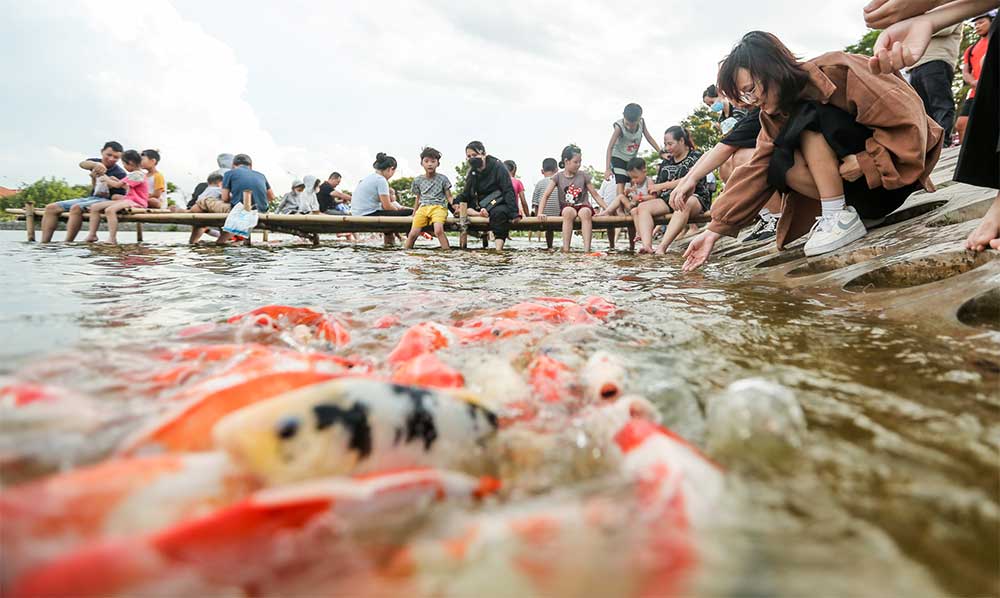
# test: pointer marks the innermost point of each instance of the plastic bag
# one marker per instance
(240, 221)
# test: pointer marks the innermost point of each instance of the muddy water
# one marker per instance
(894, 492)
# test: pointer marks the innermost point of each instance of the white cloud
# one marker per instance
(307, 87)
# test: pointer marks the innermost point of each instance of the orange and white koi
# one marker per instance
(48, 517)
(281, 317)
(245, 548)
(428, 371)
(355, 425)
(604, 377)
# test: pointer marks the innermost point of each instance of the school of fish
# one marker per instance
(262, 455)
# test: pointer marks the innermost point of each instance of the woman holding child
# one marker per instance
(681, 158)
(840, 142)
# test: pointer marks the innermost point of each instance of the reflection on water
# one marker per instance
(896, 485)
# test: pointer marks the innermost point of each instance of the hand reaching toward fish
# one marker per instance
(699, 250)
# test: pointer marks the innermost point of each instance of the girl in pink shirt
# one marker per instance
(137, 196)
(518, 188)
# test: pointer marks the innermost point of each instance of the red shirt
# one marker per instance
(974, 58)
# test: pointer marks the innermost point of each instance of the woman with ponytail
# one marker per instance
(682, 154)
(371, 197)
(488, 191)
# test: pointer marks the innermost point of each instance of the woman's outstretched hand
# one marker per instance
(699, 249)
(901, 45)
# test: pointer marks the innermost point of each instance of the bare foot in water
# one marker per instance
(90, 239)
(644, 251)
(987, 234)
(660, 250)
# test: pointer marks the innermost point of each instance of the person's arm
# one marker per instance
(95, 168)
(226, 195)
(966, 71)
(114, 183)
(449, 197)
(524, 203)
(270, 195)
(902, 44)
(340, 195)
(597, 196)
(650, 139)
(879, 14)
(664, 186)
(545, 197)
(746, 192)
(286, 201)
(615, 136)
(505, 184)
(707, 163)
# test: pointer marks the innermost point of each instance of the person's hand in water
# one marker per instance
(850, 170)
(901, 45)
(987, 234)
(880, 14)
(699, 249)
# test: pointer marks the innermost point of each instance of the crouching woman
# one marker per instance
(842, 145)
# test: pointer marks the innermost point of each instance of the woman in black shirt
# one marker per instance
(489, 191)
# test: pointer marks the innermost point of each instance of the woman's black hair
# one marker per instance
(131, 157)
(770, 62)
(476, 146)
(636, 163)
(680, 133)
(511, 166)
(710, 92)
(383, 161)
(567, 154)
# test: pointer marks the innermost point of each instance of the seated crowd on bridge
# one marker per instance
(825, 148)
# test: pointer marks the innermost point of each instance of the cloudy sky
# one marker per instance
(306, 87)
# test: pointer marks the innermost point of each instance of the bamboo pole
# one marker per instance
(463, 226)
(265, 236)
(138, 232)
(29, 221)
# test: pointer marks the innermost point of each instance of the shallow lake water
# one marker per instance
(895, 490)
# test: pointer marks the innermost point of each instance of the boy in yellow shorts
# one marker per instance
(433, 192)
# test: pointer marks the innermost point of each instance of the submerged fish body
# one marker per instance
(245, 547)
(355, 426)
(428, 371)
(120, 497)
(283, 317)
(604, 377)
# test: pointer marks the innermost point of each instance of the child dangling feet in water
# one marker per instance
(572, 187)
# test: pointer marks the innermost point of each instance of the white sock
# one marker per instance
(832, 205)
(764, 213)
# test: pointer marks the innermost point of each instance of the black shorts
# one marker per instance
(706, 202)
(744, 134)
(967, 107)
(845, 136)
(979, 162)
(620, 168)
(403, 212)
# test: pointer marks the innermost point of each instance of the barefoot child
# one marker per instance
(624, 145)
(636, 192)
(572, 187)
(433, 192)
(155, 181)
(136, 197)
(549, 169)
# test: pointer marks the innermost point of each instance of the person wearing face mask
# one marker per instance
(727, 113)
(840, 142)
(489, 192)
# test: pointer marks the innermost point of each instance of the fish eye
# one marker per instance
(288, 428)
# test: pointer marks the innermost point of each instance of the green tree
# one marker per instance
(864, 45)
(461, 171)
(703, 128)
(45, 191)
(404, 194)
(171, 187)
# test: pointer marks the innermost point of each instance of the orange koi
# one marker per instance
(427, 370)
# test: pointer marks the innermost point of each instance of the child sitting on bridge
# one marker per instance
(433, 192)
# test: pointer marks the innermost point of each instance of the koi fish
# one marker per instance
(48, 517)
(428, 371)
(385, 322)
(280, 317)
(355, 426)
(188, 427)
(603, 377)
(426, 337)
(246, 548)
(550, 379)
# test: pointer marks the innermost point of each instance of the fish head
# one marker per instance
(311, 432)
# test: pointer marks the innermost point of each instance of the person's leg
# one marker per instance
(612, 207)
(987, 234)
(586, 227)
(411, 238)
(50, 220)
(111, 214)
(799, 179)
(550, 238)
(839, 225)
(95, 219)
(568, 216)
(678, 222)
(196, 231)
(74, 222)
(960, 125)
(942, 102)
(823, 165)
(643, 216)
(439, 233)
(224, 238)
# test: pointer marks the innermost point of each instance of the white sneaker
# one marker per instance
(832, 232)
